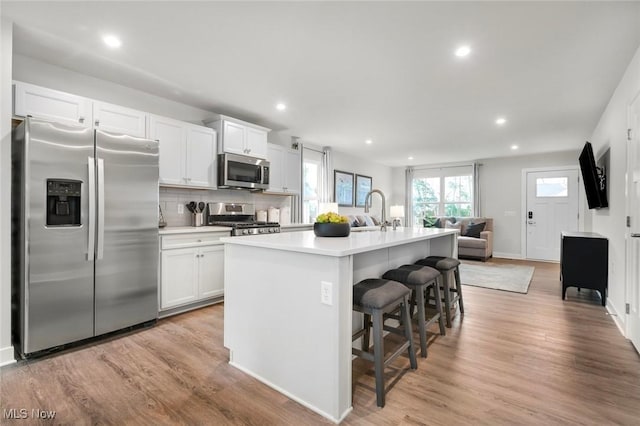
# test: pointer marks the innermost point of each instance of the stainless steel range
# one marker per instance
(239, 217)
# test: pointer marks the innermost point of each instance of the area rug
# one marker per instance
(515, 278)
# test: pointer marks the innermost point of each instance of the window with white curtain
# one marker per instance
(443, 191)
(311, 184)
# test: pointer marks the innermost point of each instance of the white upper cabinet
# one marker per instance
(171, 137)
(256, 142)
(234, 135)
(285, 169)
(239, 137)
(118, 119)
(201, 157)
(53, 105)
(187, 153)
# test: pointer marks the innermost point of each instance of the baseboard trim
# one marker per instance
(7, 356)
(617, 319)
(507, 255)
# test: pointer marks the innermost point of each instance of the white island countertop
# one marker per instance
(169, 230)
(356, 242)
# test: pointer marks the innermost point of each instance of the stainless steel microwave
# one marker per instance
(241, 171)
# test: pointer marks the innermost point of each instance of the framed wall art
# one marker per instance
(363, 186)
(343, 188)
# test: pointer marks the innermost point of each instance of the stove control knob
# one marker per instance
(270, 229)
(245, 231)
(261, 230)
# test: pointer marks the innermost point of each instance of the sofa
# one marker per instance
(469, 247)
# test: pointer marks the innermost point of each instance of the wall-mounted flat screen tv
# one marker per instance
(594, 179)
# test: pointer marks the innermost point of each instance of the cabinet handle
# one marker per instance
(81, 120)
(97, 123)
(202, 255)
(199, 241)
(248, 150)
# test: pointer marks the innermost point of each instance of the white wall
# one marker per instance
(6, 47)
(501, 195)
(611, 132)
(381, 179)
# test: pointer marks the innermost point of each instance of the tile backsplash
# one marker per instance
(171, 197)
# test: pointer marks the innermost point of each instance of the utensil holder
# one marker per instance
(196, 219)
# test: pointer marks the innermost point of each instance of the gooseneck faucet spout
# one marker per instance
(367, 206)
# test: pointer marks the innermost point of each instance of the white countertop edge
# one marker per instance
(357, 242)
(169, 230)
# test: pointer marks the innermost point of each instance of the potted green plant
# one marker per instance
(331, 224)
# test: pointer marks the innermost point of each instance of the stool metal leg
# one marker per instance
(436, 290)
(378, 355)
(459, 289)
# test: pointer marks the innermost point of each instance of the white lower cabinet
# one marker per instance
(192, 269)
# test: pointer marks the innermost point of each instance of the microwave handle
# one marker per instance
(265, 175)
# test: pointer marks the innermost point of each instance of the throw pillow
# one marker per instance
(474, 229)
(431, 222)
(376, 222)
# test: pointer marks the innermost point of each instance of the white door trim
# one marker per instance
(625, 325)
(523, 202)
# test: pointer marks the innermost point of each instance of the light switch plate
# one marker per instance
(326, 293)
(180, 208)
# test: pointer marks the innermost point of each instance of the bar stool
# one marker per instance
(446, 266)
(420, 279)
(374, 297)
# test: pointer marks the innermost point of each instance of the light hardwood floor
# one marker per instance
(512, 359)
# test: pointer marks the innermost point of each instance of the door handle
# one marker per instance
(531, 222)
(100, 208)
(91, 220)
(635, 235)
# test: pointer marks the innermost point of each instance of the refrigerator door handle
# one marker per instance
(91, 220)
(100, 209)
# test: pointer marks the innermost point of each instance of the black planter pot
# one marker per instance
(331, 229)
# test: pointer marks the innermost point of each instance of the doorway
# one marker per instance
(551, 207)
(633, 230)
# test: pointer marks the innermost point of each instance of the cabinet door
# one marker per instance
(292, 171)
(51, 105)
(276, 167)
(233, 136)
(211, 269)
(256, 142)
(201, 157)
(117, 119)
(172, 142)
(179, 277)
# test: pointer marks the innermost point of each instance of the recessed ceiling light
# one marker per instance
(410, 158)
(368, 141)
(463, 51)
(281, 107)
(500, 121)
(514, 147)
(112, 41)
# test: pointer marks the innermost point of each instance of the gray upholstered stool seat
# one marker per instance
(375, 297)
(421, 279)
(447, 266)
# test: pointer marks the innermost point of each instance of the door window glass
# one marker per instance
(552, 187)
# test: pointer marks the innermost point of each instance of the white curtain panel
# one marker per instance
(408, 205)
(327, 176)
(476, 190)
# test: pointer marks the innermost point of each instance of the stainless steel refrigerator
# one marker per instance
(84, 233)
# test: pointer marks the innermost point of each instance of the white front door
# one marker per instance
(633, 234)
(552, 207)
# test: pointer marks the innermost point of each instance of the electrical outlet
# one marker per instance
(326, 293)
(180, 208)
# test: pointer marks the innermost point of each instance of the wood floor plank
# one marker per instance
(526, 359)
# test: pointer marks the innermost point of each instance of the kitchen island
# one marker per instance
(288, 315)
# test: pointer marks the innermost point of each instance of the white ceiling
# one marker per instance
(349, 71)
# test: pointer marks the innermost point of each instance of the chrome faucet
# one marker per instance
(367, 206)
